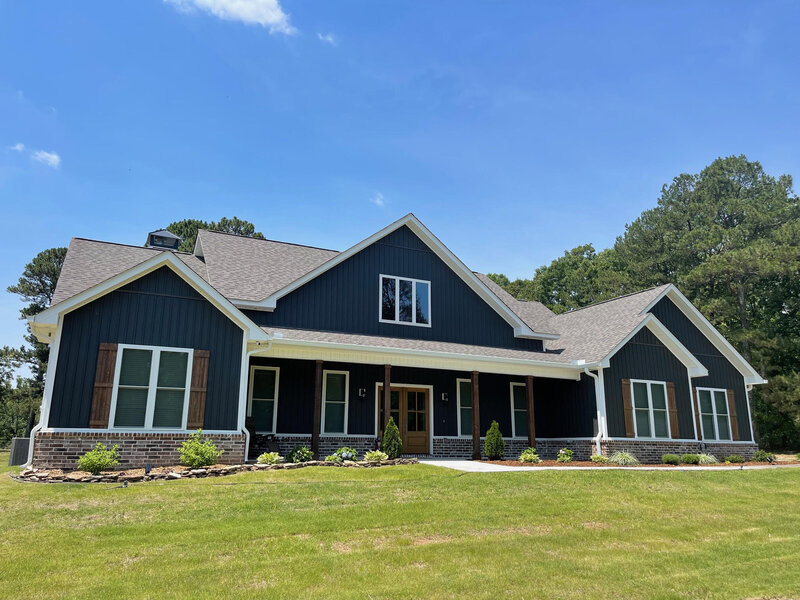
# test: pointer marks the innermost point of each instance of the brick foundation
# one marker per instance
(61, 450)
(651, 452)
(327, 445)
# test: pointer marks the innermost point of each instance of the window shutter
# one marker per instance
(673, 410)
(197, 393)
(696, 404)
(732, 413)
(627, 406)
(103, 386)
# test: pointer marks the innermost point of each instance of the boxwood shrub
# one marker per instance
(734, 458)
(671, 459)
(99, 459)
(763, 456)
(690, 459)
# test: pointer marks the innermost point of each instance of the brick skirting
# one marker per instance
(61, 450)
(327, 445)
(652, 451)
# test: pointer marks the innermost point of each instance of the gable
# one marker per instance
(345, 298)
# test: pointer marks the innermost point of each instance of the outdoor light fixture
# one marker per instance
(444, 396)
(362, 392)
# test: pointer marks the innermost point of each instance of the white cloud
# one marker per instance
(18, 147)
(378, 199)
(51, 159)
(328, 38)
(267, 13)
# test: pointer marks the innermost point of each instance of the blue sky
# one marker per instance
(513, 129)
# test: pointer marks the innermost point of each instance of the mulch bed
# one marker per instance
(586, 463)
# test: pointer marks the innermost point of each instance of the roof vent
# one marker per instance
(163, 239)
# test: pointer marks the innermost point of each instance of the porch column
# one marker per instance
(476, 419)
(531, 420)
(317, 409)
(387, 395)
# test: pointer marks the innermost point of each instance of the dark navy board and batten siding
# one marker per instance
(721, 373)
(346, 299)
(159, 309)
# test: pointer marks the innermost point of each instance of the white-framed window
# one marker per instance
(262, 404)
(404, 300)
(335, 398)
(650, 413)
(464, 415)
(715, 419)
(151, 387)
(519, 410)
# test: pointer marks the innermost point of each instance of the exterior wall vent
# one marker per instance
(163, 239)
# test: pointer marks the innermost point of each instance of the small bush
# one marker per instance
(671, 459)
(196, 452)
(300, 454)
(690, 459)
(392, 444)
(564, 455)
(99, 459)
(734, 458)
(797, 457)
(599, 459)
(623, 459)
(375, 456)
(707, 459)
(529, 455)
(495, 446)
(342, 454)
(270, 458)
(763, 456)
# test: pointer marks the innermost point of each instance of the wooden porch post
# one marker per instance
(387, 395)
(476, 419)
(531, 420)
(317, 409)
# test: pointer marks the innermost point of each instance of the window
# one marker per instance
(464, 407)
(519, 410)
(650, 416)
(335, 392)
(406, 301)
(151, 389)
(714, 417)
(263, 405)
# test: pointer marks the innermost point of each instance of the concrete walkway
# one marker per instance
(470, 466)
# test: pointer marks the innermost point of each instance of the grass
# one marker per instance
(407, 532)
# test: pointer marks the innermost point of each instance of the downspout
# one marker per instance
(600, 401)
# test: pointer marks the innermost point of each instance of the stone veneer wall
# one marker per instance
(60, 450)
(651, 451)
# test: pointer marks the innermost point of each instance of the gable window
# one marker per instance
(464, 407)
(406, 301)
(335, 392)
(263, 404)
(714, 415)
(151, 388)
(650, 416)
(519, 410)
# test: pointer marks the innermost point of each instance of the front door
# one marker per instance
(409, 409)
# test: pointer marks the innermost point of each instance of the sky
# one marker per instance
(513, 129)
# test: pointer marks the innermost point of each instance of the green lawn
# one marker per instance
(407, 532)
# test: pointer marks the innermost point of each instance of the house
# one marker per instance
(259, 341)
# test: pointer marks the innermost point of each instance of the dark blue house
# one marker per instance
(256, 340)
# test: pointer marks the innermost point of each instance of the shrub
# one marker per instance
(196, 452)
(564, 455)
(707, 459)
(270, 458)
(623, 459)
(99, 459)
(375, 456)
(690, 459)
(599, 459)
(342, 454)
(763, 456)
(300, 454)
(671, 459)
(495, 446)
(529, 455)
(392, 444)
(734, 458)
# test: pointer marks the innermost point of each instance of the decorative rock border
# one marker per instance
(33, 475)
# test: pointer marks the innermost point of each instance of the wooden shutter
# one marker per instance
(732, 413)
(103, 385)
(627, 406)
(672, 407)
(197, 393)
(696, 404)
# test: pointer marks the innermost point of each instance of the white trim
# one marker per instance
(325, 374)
(700, 414)
(511, 385)
(152, 387)
(396, 320)
(250, 388)
(459, 381)
(431, 402)
(650, 410)
(751, 376)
